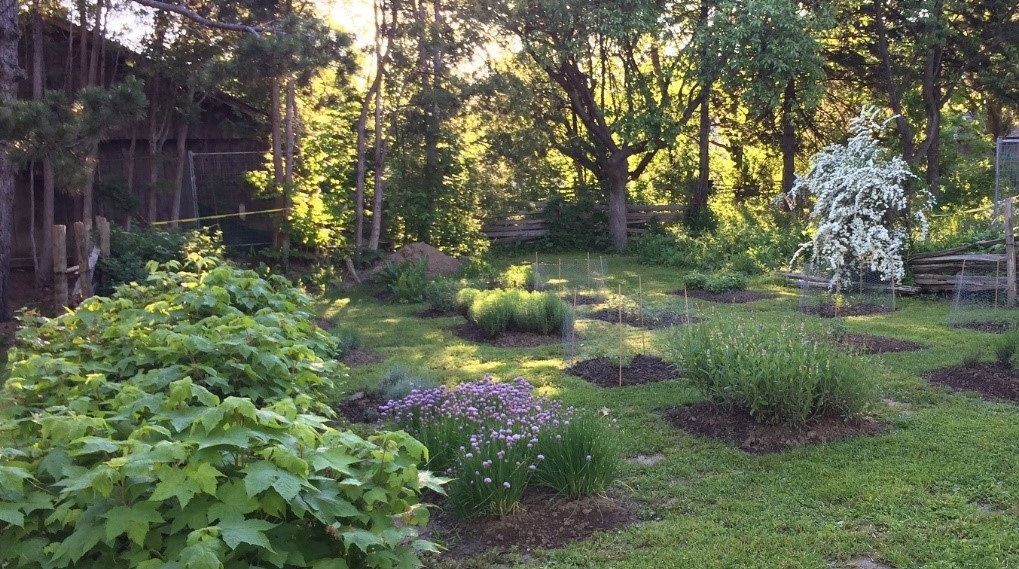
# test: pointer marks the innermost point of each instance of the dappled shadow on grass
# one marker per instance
(737, 427)
(508, 339)
(992, 381)
(651, 320)
(862, 309)
(543, 521)
(868, 344)
(730, 297)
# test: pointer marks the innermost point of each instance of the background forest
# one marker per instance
(396, 121)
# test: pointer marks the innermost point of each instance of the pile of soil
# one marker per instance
(361, 407)
(736, 426)
(604, 372)
(867, 344)
(993, 381)
(439, 263)
(360, 357)
(990, 327)
(508, 339)
(542, 521)
(651, 321)
(730, 297)
(862, 309)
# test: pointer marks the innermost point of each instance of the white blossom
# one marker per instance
(860, 204)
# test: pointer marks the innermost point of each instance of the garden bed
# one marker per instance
(989, 327)
(862, 309)
(652, 321)
(508, 339)
(543, 521)
(604, 372)
(730, 297)
(867, 344)
(361, 407)
(993, 381)
(360, 357)
(736, 426)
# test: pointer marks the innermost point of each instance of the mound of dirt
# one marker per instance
(439, 263)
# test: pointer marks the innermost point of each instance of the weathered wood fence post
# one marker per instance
(104, 237)
(81, 243)
(59, 268)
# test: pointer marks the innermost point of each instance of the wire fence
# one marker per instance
(225, 196)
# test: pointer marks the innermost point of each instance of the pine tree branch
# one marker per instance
(195, 16)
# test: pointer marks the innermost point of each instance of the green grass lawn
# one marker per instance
(940, 490)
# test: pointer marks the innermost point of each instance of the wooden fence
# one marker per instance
(531, 225)
(939, 271)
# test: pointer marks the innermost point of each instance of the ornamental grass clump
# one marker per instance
(780, 375)
(497, 311)
(493, 439)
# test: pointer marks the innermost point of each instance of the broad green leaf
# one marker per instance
(132, 520)
(237, 530)
(11, 514)
(360, 539)
(174, 483)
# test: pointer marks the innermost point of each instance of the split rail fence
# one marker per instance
(531, 225)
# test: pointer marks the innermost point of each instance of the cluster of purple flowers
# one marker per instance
(486, 434)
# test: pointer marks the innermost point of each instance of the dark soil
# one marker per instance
(585, 299)
(361, 407)
(991, 380)
(730, 297)
(737, 427)
(604, 372)
(436, 313)
(868, 344)
(991, 327)
(654, 321)
(542, 521)
(863, 309)
(360, 357)
(509, 339)
(325, 324)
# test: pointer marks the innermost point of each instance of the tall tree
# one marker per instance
(10, 72)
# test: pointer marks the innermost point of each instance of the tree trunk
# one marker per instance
(617, 175)
(699, 200)
(129, 163)
(276, 137)
(178, 179)
(288, 175)
(380, 162)
(10, 72)
(44, 269)
(787, 143)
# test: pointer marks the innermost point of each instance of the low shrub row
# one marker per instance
(719, 282)
(780, 375)
(497, 439)
(496, 311)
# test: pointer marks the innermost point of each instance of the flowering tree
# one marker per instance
(860, 204)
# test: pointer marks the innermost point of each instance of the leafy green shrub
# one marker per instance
(489, 436)
(517, 276)
(168, 425)
(779, 375)
(580, 458)
(465, 298)
(130, 251)
(398, 382)
(576, 225)
(497, 311)
(695, 280)
(347, 340)
(722, 281)
(441, 294)
(406, 280)
(1006, 346)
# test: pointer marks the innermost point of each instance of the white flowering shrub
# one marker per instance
(860, 205)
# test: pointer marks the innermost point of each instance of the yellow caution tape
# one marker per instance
(221, 216)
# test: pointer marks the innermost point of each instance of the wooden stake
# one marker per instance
(686, 306)
(620, 335)
(1010, 252)
(573, 325)
(81, 247)
(640, 301)
(104, 236)
(59, 268)
(997, 282)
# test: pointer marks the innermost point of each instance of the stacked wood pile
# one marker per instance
(939, 271)
(531, 225)
(810, 281)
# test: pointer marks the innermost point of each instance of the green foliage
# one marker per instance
(497, 311)
(347, 338)
(406, 280)
(576, 226)
(722, 281)
(399, 381)
(780, 375)
(1005, 347)
(580, 458)
(441, 294)
(517, 276)
(130, 251)
(170, 425)
(465, 298)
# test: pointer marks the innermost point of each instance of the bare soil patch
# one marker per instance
(993, 381)
(989, 327)
(862, 309)
(736, 426)
(867, 344)
(650, 321)
(436, 313)
(866, 563)
(361, 407)
(604, 372)
(543, 521)
(508, 339)
(730, 297)
(360, 357)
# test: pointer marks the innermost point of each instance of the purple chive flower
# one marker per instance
(488, 480)
(505, 484)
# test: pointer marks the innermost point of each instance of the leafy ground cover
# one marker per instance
(938, 489)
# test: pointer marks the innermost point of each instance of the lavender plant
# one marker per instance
(487, 436)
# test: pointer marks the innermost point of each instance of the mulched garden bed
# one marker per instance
(863, 309)
(585, 299)
(991, 380)
(737, 427)
(436, 313)
(649, 322)
(510, 339)
(604, 372)
(991, 327)
(543, 521)
(360, 357)
(361, 407)
(867, 344)
(731, 297)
